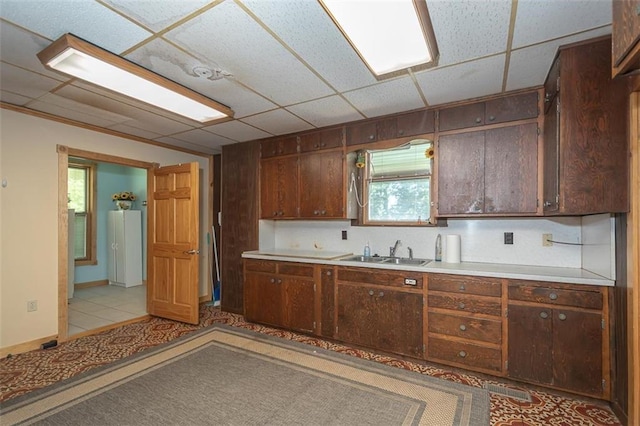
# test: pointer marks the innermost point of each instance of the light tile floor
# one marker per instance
(95, 307)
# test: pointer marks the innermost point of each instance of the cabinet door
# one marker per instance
(356, 319)
(511, 108)
(279, 187)
(511, 169)
(279, 146)
(325, 139)
(300, 302)
(531, 344)
(626, 35)
(415, 123)
(461, 117)
(577, 350)
(322, 185)
(264, 301)
(398, 326)
(327, 302)
(357, 134)
(461, 173)
(387, 129)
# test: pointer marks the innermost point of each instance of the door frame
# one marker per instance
(64, 152)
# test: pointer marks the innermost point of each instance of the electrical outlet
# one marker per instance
(508, 237)
(32, 305)
(344, 235)
(547, 240)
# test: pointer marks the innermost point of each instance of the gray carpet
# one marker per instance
(229, 376)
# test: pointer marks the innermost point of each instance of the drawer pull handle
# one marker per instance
(562, 317)
(370, 292)
(553, 296)
(381, 294)
(463, 327)
(462, 354)
(461, 305)
(544, 315)
(462, 287)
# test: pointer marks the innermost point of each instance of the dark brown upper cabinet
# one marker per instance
(279, 146)
(324, 139)
(626, 36)
(394, 127)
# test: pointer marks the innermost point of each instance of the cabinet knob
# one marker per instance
(329, 273)
(544, 315)
(462, 354)
(547, 97)
(281, 213)
(370, 292)
(478, 120)
(273, 280)
(322, 145)
(381, 294)
(315, 145)
(279, 281)
(553, 296)
(401, 132)
(562, 317)
(462, 288)
(275, 213)
(461, 305)
(315, 212)
(371, 137)
(492, 117)
(548, 203)
(323, 212)
(463, 327)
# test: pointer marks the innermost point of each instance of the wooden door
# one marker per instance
(300, 303)
(264, 302)
(577, 350)
(511, 169)
(461, 173)
(172, 277)
(531, 343)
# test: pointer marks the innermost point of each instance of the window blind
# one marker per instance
(406, 161)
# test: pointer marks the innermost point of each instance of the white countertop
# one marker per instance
(498, 270)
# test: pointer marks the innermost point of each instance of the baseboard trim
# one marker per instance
(107, 327)
(26, 346)
(205, 298)
(90, 284)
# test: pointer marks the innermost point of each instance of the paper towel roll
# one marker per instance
(452, 250)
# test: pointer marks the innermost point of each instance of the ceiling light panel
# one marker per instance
(389, 35)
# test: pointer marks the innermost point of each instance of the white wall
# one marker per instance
(482, 239)
(599, 250)
(29, 219)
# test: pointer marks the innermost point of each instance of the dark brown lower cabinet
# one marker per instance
(380, 317)
(556, 346)
(264, 301)
(327, 301)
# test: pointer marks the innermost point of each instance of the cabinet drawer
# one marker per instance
(465, 353)
(523, 290)
(481, 286)
(466, 327)
(378, 277)
(257, 265)
(295, 269)
(468, 304)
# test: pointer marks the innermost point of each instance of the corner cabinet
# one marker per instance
(586, 151)
(124, 239)
(558, 336)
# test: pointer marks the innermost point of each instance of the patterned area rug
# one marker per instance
(27, 372)
(222, 375)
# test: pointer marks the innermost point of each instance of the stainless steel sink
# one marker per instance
(385, 259)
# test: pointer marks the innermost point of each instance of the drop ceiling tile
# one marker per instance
(189, 145)
(386, 97)
(529, 66)
(251, 54)
(237, 131)
(326, 111)
(469, 29)
(538, 20)
(86, 19)
(465, 81)
(157, 15)
(165, 59)
(12, 98)
(25, 83)
(309, 31)
(202, 138)
(19, 47)
(278, 122)
(131, 130)
(57, 105)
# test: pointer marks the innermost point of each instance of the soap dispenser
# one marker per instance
(367, 250)
(438, 256)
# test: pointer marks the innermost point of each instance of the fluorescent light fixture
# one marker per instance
(389, 35)
(78, 58)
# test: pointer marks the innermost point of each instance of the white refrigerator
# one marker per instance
(124, 237)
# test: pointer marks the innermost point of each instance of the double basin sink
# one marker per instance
(387, 260)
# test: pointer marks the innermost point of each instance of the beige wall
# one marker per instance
(29, 221)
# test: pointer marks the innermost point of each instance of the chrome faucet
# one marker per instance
(410, 250)
(392, 250)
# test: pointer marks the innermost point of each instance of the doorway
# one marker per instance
(117, 304)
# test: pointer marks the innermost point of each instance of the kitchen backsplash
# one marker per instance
(482, 239)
